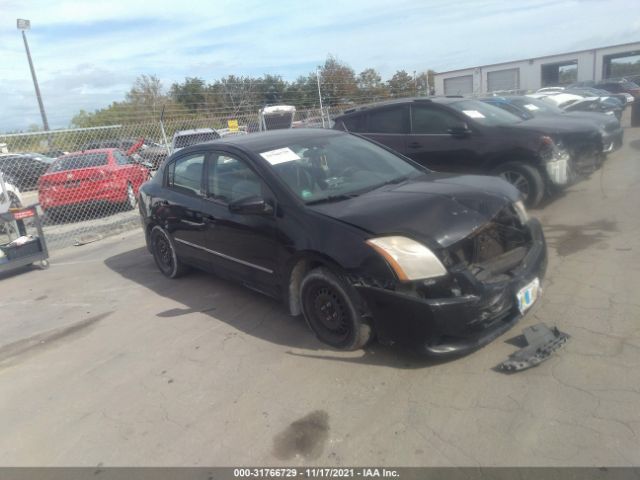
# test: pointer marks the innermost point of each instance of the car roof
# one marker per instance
(263, 141)
(93, 150)
(400, 101)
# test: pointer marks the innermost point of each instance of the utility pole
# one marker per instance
(26, 25)
(415, 84)
(320, 96)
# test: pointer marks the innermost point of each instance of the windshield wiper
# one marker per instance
(393, 181)
(332, 198)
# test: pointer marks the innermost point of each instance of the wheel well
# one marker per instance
(147, 234)
(299, 270)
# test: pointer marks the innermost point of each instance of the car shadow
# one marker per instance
(251, 313)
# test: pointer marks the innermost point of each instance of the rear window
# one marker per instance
(354, 124)
(194, 138)
(75, 162)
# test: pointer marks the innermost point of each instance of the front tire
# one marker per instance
(525, 178)
(333, 310)
(164, 253)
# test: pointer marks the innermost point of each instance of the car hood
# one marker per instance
(434, 207)
(550, 125)
(579, 120)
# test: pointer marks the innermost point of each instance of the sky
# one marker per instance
(88, 53)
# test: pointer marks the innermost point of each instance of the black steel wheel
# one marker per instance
(334, 311)
(525, 178)
(164, 253)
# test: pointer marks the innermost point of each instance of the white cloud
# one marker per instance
(87, 53)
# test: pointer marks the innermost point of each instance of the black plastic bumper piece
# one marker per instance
(542, 341)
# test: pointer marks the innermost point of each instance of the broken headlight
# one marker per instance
(410, 260)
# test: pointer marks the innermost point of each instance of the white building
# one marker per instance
(535, 73)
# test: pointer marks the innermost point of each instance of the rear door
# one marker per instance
(431, 143)
(181, 208)
(389, 126)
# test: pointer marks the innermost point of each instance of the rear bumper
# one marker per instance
(456, 325)
(62, 197)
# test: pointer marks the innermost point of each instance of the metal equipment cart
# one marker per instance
(16, 222)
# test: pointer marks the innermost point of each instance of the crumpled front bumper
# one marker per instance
(612, 141)
(455, 325)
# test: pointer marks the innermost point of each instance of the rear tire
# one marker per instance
(164, 253)
(333, 310)
(525, 178)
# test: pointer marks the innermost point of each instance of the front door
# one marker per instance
(242, 246)
(431, 143)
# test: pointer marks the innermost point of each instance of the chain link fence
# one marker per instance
(87, 180)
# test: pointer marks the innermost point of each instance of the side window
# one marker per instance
(389, 120)
(427, 120)
(121, 158)
(355, 124)
(230, 179)
(186, 173)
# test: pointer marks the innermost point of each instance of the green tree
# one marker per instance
(191, 93)
(371, 85)
(425, 83)
(147, 92)
(401, 84)
(338, 82)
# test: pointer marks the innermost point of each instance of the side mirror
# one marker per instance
(459, 131)
(251, 206)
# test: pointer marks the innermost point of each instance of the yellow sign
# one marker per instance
(233, 125)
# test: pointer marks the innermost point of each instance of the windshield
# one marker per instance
(336, 167)
(485, 114)
(535, 106)
(75, 162)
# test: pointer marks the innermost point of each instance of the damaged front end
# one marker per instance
(476, 301)
(572, 156)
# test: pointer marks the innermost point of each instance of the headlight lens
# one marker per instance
(409, 259)
(521, 211)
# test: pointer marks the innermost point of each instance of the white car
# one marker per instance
(185, 138)
(558, 99)
(10, 196)
(276, 117)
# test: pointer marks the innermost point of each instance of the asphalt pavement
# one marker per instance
(104, 361)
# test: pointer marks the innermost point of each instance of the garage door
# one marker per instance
(458, 85)
(503, 80)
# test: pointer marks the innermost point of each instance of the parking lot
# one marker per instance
(106, 362)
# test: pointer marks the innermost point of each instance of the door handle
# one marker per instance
(414, 145)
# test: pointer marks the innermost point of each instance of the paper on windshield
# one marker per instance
(281, 155)
(473, 114)
(531, 107)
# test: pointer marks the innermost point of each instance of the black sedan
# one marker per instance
(357, 238)
(527, 107)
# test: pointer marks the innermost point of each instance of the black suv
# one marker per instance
(455, 134)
